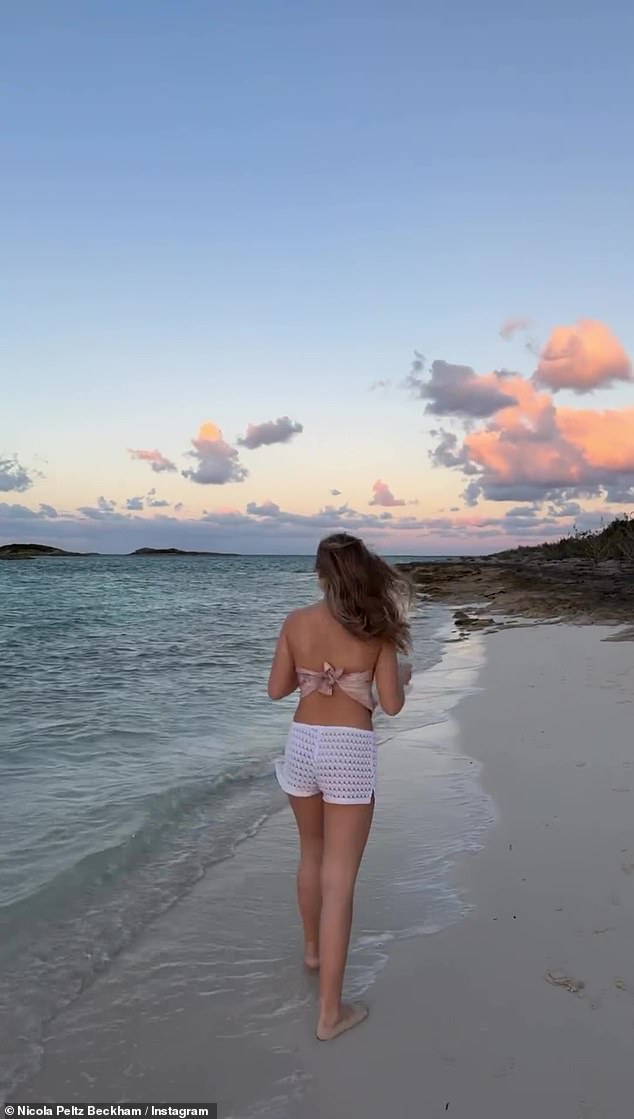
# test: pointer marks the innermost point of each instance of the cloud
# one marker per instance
(217, 462)
(383, 495)
(414, 380)
(265, 434)
(158, 462)
(620, 491)
(18, 512)
(533, 450)
(582, 358)
(450, 452)
(153, 502)
(137, 504)
(510, 327)
(267, 528)
(523, 511)
(565, 509)
(336, 493)
(455, 390)
(266, 509)
(379, 385)
(103, 510)
(13, 476)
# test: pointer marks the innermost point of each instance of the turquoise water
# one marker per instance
(136, 749)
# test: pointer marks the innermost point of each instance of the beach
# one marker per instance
(516, 999)
(527, 1007)
(319, 405)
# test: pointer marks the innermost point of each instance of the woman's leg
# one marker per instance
(346, 830)
(309, 814)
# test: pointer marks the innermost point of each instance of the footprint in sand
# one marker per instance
(567, 982)
(621, 985)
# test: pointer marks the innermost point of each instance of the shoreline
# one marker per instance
(87, 910)
(523, 1006)
(240, 919)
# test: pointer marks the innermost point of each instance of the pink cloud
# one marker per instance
(605, 438)
(384, 496)
(582, 358)
(158, 462)
(217, 462)
(532, 449)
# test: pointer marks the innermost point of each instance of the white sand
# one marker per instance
(465, 1023)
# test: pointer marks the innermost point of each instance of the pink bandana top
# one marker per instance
(357, 685)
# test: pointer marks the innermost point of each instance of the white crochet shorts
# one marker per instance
(338, 762)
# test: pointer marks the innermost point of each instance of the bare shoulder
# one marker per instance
(302, 616)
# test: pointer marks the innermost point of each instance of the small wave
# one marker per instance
(163, 813)
(59, 939)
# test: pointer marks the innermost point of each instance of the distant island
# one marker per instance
(177, 552)
(33, 551)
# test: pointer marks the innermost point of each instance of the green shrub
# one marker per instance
(614, 541)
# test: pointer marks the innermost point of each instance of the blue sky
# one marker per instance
(231, 213)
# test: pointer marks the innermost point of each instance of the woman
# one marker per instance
(334, 651)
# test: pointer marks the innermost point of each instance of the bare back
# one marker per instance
(314, 637)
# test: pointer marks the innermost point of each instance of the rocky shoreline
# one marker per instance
(492, 591)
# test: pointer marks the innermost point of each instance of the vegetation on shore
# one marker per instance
(614, 541)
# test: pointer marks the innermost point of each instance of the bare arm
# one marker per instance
(390, 679)
(282, 678)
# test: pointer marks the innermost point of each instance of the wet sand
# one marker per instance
(521, 1005)
(527, 1007)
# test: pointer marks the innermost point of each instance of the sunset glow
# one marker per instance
(271, 286)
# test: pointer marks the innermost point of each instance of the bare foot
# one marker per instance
(351, 1015)
(311, 957)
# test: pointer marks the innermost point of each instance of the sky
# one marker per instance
(272, 270)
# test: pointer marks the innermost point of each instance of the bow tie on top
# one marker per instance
(329, 677)
(357, 685)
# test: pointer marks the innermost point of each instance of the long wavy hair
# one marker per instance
(365, 594)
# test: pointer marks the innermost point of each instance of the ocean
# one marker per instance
(136, 759)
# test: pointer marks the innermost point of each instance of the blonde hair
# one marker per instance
(365, 594)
